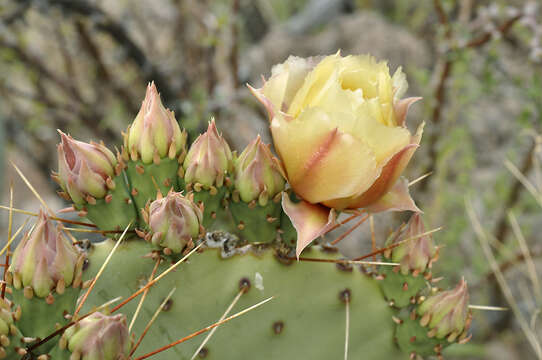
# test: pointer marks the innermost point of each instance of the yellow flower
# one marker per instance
(338, 127)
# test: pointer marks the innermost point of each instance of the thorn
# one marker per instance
(140, 169)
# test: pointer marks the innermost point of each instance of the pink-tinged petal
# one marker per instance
(401, 109)
(311, 221)
(388, 177)
(397, 199)
(258, 93)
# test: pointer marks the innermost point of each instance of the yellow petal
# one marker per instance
(321, 161)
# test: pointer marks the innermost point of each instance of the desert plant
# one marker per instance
(339, 127)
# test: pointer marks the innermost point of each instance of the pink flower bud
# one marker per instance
(209, 159)
(98, 337)
(44, 258)
(154, 134)
(447, 313)
(174, 221)
(417, 252)
(85, 170)
(257, 173)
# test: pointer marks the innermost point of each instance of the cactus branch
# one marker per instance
(199, 332)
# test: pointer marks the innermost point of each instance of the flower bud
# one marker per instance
(98, 337)
(447, 313)
(208, 160)
(258, 173)
(417, 252)
(44, 259)
(85, 171)
(154, 134)
(174, 221)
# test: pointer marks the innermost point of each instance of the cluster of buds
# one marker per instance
(98, 337)
(45, 260)
(416, 251)
(447, 314)
(85, 171)
(258, 174)
(154, 134)
(208, 161)
(173, 222)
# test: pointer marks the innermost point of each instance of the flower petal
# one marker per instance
(310, 221)
(397, 199)
(322, 163)
(389, 175)
(401, 109)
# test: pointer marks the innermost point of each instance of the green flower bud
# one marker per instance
(416, 254)
(98, 337)
(258, 173)
(447, 313)
(85, 171)
(174, 221)
(154, 134)
(208, 160)
(44, 259)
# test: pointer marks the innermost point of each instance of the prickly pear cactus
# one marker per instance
(207, 230)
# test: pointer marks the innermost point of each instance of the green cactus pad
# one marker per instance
(257, 223)
(399, 288)
(115, 214)
(142, 186)
(412, 337)
(39, 319)
(213, 205)
(305, 321)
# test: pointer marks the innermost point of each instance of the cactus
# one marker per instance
(257, 226)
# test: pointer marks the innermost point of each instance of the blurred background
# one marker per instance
(82, 66)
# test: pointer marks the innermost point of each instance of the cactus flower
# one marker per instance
(44, 259)
(154, 134)
(209, 159)
(447, 313)
(174, 221)
(415, 254)
(98, 337)
(258, 175)
(338, 125)
(85, 171)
